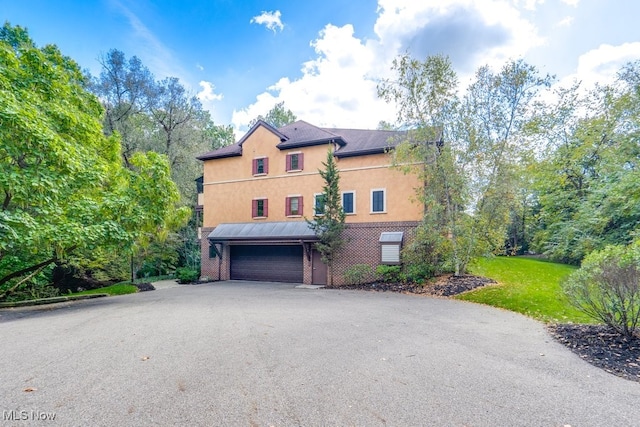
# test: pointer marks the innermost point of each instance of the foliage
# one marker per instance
(157, 116)
(63, 186)
(525, 285)
(187, 275)
(389, 273)
(330, 224)
(359, 274)
(277, 117)
(417, 272)
(467, 149)
(586, 188)
(607, 287)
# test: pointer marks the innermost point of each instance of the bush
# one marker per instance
(187, 275)
(389, 273)
(359, 274)
(417, 273)
(607, 287)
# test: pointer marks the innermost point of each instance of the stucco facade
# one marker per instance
(232, 185)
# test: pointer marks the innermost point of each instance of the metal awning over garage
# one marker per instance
(263, 232)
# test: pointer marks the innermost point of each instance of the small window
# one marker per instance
(295, 162)
(259, 208)
(261, 166)
(348, 202)
(293, 206)
(318, 205)
(378, 202)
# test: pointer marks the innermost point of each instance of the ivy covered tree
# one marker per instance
(329, 221)
(62, 181)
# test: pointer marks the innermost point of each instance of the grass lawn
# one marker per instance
(527, 286)
(117, 289)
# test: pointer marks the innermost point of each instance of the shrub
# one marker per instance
(187, 275)
(417, 273)
(359, 274)
(607, 287)
(389, 273)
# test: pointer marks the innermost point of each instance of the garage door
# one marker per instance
(268, 263)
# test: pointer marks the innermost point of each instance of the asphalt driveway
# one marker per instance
(241, 353)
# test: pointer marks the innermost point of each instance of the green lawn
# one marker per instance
(527, 286)
(117, 289)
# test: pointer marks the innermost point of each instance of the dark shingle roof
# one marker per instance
(352, 142)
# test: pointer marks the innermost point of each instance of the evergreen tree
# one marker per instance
(328, 223)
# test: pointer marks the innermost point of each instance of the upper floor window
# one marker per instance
(293, 206)
(260, 166)
(259, 208)
(349, 202)
(318, 206)
(378, 200)
(295, 162)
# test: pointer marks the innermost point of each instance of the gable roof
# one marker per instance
(236, 149)
(352, 142)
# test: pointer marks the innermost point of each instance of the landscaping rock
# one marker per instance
(447, 285)
(142, 287)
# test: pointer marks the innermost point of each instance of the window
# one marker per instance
(378, 202)
(261, 166)
(293, 206)
(318, 206)
(349, 202)
(295, 162)
(259, 208)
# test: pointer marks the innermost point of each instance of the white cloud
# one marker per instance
(566, 22)
(573, 3)
(271, 20)
(199, 67)
(338, 87)
(602, 64)
(207, 93)
(335, 89)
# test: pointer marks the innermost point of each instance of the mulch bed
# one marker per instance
(602, 347)
(445, 286)
(596, 344)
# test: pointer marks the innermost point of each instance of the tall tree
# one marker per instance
(277, 117)
(466, 149)
(62, 181)
(330, 222)
(586, 185)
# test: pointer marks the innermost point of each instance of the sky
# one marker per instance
(325, 58)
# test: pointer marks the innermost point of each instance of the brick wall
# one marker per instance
(363, 246)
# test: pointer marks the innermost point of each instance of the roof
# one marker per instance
(391, 237)
(264, 231)
(236, 149)
(351, 142)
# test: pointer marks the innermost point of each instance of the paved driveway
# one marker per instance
(238, 354)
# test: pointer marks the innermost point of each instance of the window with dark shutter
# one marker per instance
(295, 162)
(293, 206)
(259, 208)
(260, 166)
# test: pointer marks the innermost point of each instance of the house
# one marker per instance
(258, 192)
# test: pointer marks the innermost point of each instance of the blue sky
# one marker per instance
(323, 58)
